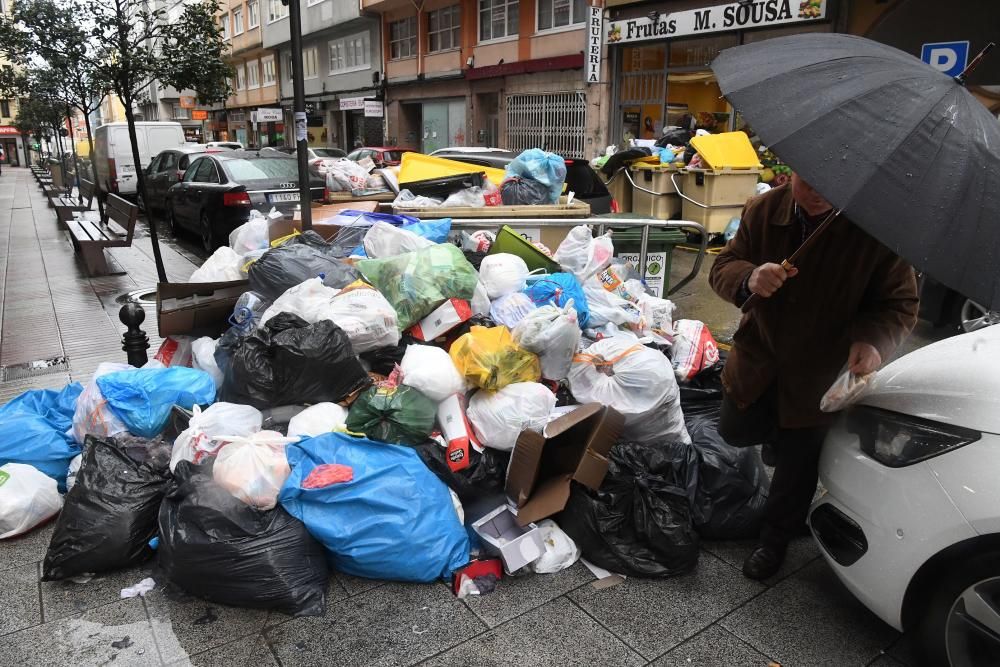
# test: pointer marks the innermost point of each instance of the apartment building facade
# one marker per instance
(341, 68)
(10, 139)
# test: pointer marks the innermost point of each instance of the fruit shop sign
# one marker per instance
(734, 16)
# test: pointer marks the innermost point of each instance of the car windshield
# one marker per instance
(329, 152)
(261, 169)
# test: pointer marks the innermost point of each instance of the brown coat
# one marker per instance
(849, 288)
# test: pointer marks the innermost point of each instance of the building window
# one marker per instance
(180, 113)
(350, 54)
(5, 108)
(289, 67)
(267, 64)
(241, 77)
(253, 75)
(276, 11)
(253, 14)
(224, 20)
(403, 38)
(310, 63)
(444, 29)
(560, 13)
(237, 22)
(497, 19)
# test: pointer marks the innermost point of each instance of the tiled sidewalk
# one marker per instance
(714, 616)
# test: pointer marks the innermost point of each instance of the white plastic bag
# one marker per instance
(175, 351)
(27, 498)
(367, 318)
(310, 300)
(694, 349)
(317, 420)
(657, 317)
(499, 417)
(608, 307)
(480, 303)
(196, 443)
(553, 334)
(637, 382)
(583, 255)
(503, 274)
(386, 240)
(845, 391)
(406, 199)
(472, 197)
(203, 358)
(431, 371)
(561, 551)
(253, 468)
(223, 266)
(251, 235)
(511, 309)
(345, 175)
(93, 416)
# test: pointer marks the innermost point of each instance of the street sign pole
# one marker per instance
(299, 113)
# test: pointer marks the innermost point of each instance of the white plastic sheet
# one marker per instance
(27, 498)
(431, 371)
(499, 417)
(223, 266)
(317, 420)
(253, 468)
(583, 255)
(554, 335)
(196, 443)
(503, 274)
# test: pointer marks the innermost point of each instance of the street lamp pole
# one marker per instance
(299, 112)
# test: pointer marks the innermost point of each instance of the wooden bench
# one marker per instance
(90, 237)
(66, 206)
(56, 188)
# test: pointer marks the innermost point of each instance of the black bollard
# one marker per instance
(135, 342)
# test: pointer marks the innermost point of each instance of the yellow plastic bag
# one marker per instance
(489, 358)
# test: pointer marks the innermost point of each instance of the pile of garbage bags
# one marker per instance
(404, 416)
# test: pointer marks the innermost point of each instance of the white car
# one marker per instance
(910, 520)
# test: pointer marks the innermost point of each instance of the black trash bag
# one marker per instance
(523, 191)
(290, 361)
(466, 326)
(216, 547)
(383, 360)
(678, 136)
(109, 515)
(706, 385)
(475, 258)
(732, 482)
(639, 522)
(485, 476)
(622, 158)
(304, 257)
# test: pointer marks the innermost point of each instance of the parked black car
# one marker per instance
(166, 169)
(580, 178)
(219, 190)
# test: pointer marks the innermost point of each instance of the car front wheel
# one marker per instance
(961, 625)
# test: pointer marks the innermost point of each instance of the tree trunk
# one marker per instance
(90, 156)
(141, 188)
(76, 161)
(27, 150)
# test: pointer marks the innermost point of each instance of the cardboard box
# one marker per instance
(442, 319)
(573, 447)
(517, 545)
(196, 309)
(320, 217)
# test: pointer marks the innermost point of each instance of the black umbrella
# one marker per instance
(905, 151)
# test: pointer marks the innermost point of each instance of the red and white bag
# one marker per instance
(175, 351)
(694, 349)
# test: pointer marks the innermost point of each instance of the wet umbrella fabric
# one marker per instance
(905, 150)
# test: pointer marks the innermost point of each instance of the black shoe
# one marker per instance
(763, 562)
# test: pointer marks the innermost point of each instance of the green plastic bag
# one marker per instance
(398, 414)
(416, 283)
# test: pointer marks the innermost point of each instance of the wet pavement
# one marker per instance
(714, 616)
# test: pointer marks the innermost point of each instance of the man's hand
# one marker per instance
(768, 278)
(863, 359)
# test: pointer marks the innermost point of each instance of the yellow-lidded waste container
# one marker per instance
(716, 194)
(654, 194)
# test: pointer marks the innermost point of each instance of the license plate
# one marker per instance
(284, 196)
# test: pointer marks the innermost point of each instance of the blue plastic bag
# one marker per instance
(547, 168)
(394, 520)
(142, 398)
(432, 230)
(352, 218)
(33, 430)
(557, 289)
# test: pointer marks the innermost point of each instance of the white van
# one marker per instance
(113, 164)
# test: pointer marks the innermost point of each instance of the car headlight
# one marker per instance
(898, 440)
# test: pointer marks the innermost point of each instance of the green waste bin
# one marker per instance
(628, 240)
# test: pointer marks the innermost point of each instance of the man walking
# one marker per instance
(852, 303)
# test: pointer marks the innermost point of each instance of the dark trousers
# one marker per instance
(796, 460)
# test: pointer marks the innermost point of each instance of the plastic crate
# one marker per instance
(663, 206)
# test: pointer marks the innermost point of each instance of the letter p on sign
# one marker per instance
(948, 57)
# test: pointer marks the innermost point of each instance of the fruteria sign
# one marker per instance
(734, 16)
(595, 28)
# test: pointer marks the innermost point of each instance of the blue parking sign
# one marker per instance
(949, 57)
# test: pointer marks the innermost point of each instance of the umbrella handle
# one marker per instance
(748, 304)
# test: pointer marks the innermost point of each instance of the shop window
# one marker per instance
(224, 24)
(403, 38)
(241, 78)
(253, 14)
(699, 52)
(497, 19)
(350, 54)
(560, 13)
(253, 75)
(310, 63)
(267, 65)
(180, 113)
(444, 29)
(237, 21)
(276, 11)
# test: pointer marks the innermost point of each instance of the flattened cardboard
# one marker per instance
(196, 309)
(573, 447)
